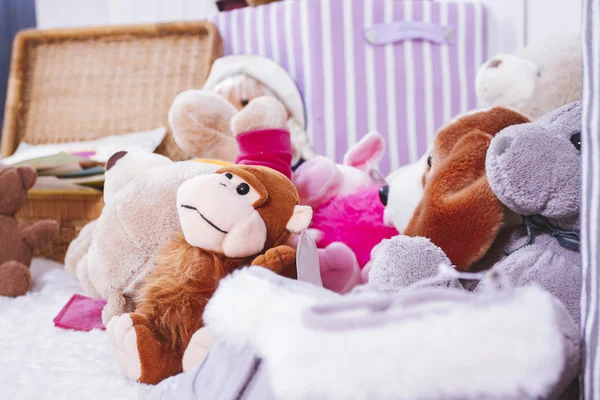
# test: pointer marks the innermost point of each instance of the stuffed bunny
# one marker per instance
(533, 170)
(343, 195)
(348, 215)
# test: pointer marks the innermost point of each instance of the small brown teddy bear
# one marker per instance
(17, 241)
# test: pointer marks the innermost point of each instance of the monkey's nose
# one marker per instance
(384, 191)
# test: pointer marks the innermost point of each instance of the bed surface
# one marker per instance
(38, 360)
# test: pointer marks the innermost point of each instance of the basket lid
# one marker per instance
(85, 83)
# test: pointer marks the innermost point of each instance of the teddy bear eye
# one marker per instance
(429, 161)
(576, 140)
(243, 189)
(245, 102)
(228, 175)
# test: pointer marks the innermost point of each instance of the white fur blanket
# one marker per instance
(38, 360)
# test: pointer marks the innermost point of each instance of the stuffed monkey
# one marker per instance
(240, 215)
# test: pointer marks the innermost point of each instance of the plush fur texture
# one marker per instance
(348, 215)
(129, 168)
(459, 212)
(521, 343)
(150, 342)
(404, 193)
(278, 207)
(202, 119)
(270, 147)
(355, 220)
(62, 362)
(171, 303)
(320, 179)
(421, 258)
(243, 78)
(534, 80)
(535, 169)
(76, 252)
(140, 218)
(18, 241)
(113, 255)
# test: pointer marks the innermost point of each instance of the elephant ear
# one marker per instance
(459, 213)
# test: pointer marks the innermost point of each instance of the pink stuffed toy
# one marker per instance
(347, 212)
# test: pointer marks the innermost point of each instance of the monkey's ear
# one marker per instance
(300, 219)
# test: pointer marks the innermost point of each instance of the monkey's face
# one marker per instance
(218, 213)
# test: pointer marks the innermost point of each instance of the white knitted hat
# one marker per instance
(267, 72)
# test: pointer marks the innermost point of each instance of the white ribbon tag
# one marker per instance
(307, 260)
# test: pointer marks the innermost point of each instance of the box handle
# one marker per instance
(380, 34)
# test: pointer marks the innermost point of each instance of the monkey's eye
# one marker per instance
(429, 161)
(245, 102)
(243, 189)
(576, 140)
(228, 175)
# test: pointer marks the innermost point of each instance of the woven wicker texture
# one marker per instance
(72, 210)
(84, 84)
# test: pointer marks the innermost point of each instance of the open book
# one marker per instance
(66, 166)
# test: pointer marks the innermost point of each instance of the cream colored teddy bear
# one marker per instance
(534, 80)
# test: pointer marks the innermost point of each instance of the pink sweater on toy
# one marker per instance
(267, 147)
(356, 220)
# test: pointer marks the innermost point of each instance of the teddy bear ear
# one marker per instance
(28, 176)
(114, 158)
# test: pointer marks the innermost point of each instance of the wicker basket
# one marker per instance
(86, 83)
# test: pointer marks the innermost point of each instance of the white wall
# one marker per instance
(70, 13)
(547, 17)
(506, 25)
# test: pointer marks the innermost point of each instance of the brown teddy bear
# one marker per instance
(18, 242)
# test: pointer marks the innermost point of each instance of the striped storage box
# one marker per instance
(402, 68)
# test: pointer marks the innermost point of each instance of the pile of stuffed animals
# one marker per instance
(497, 195)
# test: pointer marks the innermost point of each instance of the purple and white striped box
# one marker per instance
(402, 68)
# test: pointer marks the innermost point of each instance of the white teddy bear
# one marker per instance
(534, 80)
